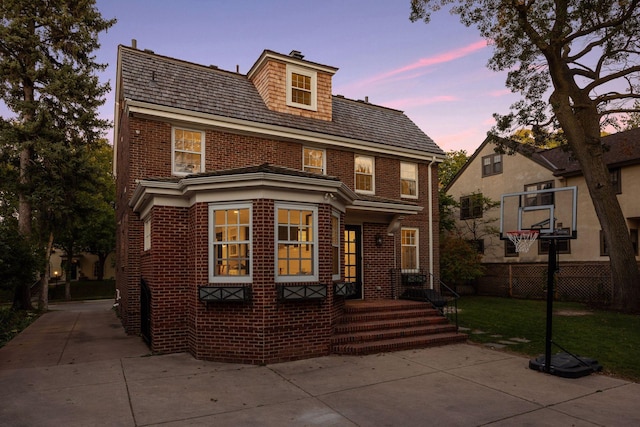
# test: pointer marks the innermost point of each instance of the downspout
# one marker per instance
(430, 183)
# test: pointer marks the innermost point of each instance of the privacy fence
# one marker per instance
(580, 282)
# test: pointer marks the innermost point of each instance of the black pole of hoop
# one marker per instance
(551, 271)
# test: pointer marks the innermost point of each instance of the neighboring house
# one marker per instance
(247, 203)
(584, 264)
(84, 266)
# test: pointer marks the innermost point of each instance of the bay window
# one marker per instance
(296, 243)
(230, 243)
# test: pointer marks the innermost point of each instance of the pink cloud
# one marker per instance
(434, 60)
(499, 93)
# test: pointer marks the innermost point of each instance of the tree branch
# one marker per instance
(614, 23)
(607, 79)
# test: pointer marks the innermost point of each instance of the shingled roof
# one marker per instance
(622, 148)
(164, 81)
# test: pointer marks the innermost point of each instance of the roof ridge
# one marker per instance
(366, 102)
(149, 52)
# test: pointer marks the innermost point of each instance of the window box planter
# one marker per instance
(224, 293)
(344, 289)
(413, 279)
(301, 292)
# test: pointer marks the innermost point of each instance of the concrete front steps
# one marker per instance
(391, 325)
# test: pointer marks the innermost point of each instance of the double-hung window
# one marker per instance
(296, 243)
(471, 206)
(409, 180)
(409, 251)
(187, 151)
(492, 165)
(540, 199)
(615, 180)
(301, 88)
(365, 174)
(313, 160)
(230, 243)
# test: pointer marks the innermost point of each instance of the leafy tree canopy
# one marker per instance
(453, 162)
(597, 41)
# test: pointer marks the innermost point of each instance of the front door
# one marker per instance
(353, 258)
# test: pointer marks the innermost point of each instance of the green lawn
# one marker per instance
(613, 339)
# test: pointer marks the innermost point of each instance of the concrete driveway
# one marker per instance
(75, 366)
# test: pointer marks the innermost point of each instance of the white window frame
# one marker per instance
(415, 180)
(324, 160)
(373, 174)
(291, 69)
(173, 150)
(314, 277)
(213, 278)
(147, 234)
(416, 245)
(335, 245)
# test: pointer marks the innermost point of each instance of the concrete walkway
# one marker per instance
(75, 366)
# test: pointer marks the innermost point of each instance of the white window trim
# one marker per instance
(314, 87)
(147, 234)
(373, 175)
(301, 278)
(335, 214)
(173, 150)
(228, 279)
(417, 246)
(409, 196)
(324, 158)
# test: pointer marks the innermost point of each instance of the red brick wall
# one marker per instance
(165, 269)
(265, 330)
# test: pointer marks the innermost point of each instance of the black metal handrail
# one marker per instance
(415, 284)
(455, 296)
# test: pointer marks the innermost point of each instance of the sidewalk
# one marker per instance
(75, 366)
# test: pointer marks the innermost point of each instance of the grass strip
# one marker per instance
(612, 338)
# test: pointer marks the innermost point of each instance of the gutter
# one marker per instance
(430, 181)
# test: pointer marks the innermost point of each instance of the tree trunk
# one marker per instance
(43, 301)
(580, 121)
(102, 259)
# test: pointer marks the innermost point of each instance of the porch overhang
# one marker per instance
(384, 207)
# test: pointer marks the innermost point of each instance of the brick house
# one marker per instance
(250, 207)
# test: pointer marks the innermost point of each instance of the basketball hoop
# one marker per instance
(523, 239)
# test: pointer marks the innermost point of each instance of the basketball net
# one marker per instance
(522, 240)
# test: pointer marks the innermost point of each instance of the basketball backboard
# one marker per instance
(550, 211)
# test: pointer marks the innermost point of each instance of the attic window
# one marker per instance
(301, 88)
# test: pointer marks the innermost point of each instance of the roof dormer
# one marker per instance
(289, 84)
